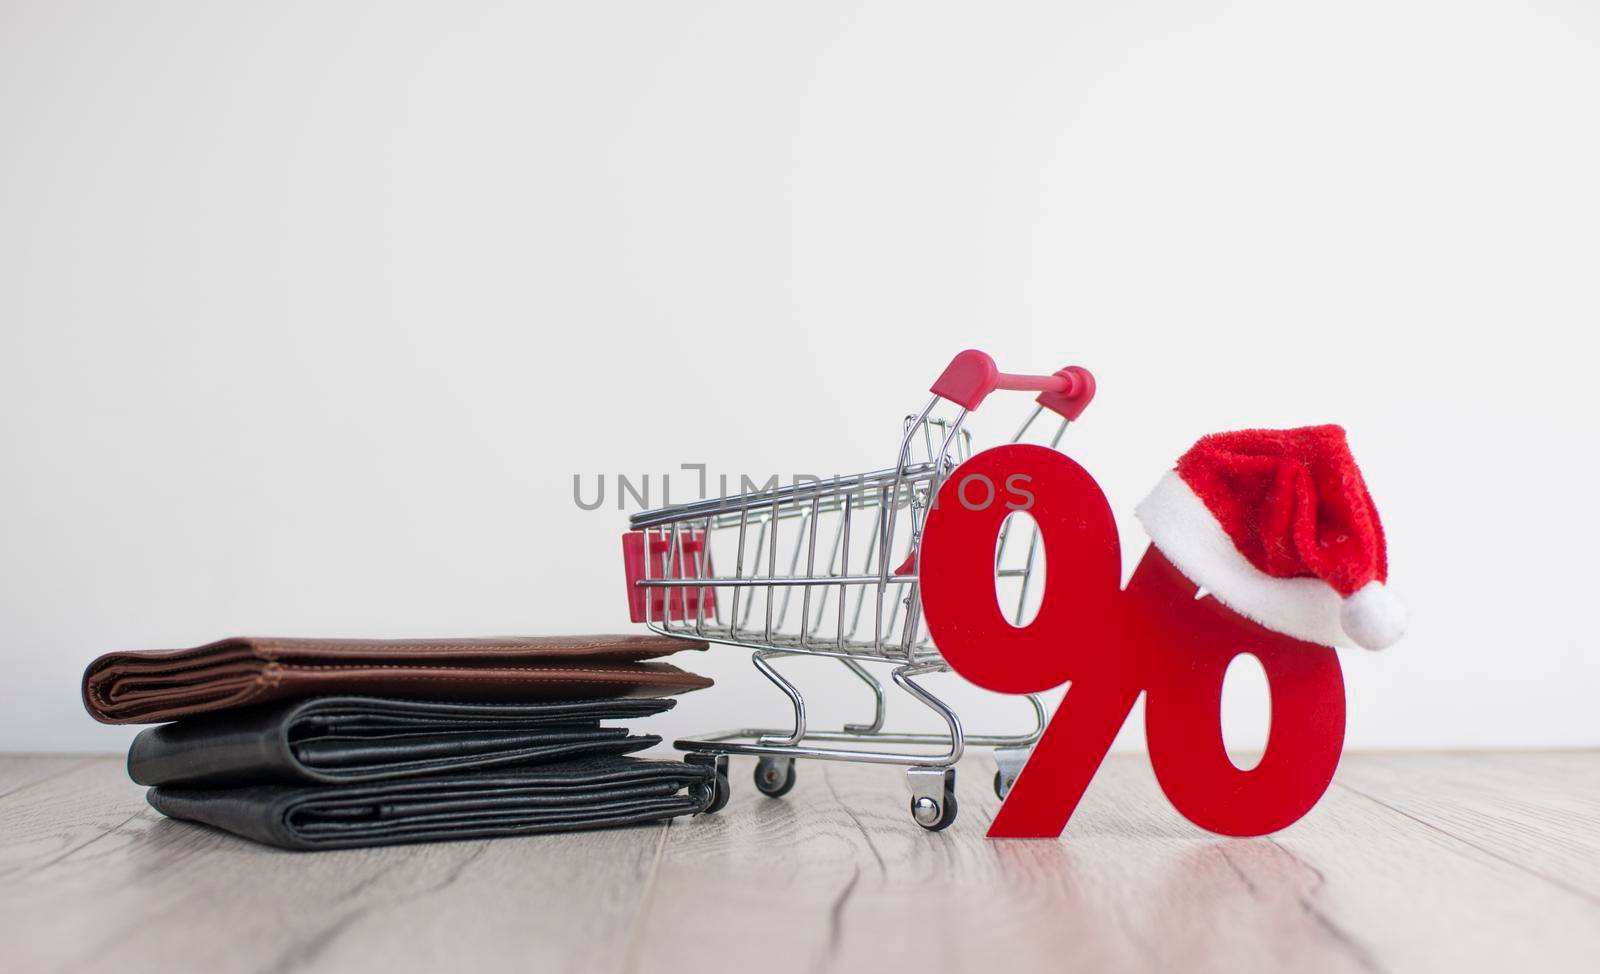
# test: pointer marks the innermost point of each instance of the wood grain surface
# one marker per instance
(1412, 862)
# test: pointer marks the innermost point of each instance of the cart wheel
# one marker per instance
(719, 788)
(775, 776)
(934, 816)
(1010, 761)
(720, 793)
(933, 808)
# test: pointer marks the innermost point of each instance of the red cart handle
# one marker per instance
(972, 375)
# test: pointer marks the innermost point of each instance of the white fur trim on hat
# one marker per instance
(1373, 617)
(1180, 524)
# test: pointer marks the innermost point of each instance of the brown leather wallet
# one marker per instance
(151, 686)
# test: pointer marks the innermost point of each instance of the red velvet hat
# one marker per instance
(1278, 525)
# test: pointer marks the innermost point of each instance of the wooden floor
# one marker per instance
(1413, 862)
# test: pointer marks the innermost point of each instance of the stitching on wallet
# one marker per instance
(620, 644)
(467, 675)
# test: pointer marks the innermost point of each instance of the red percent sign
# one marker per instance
(1111, 644)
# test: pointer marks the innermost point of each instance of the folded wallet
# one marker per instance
(589, 794)
(329, 740)
(152, 686)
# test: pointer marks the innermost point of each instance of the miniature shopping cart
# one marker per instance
(829, 569)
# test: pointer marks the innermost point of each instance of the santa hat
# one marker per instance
(1278, 526)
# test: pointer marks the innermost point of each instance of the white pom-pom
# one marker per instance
(1373, 618)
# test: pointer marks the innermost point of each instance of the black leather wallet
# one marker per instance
(329, 740)
(588, 794)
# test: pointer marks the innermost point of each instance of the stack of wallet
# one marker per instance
(336, 743)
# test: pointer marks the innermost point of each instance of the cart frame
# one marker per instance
(675, 590)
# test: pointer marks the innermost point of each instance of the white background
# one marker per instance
(309, 313)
